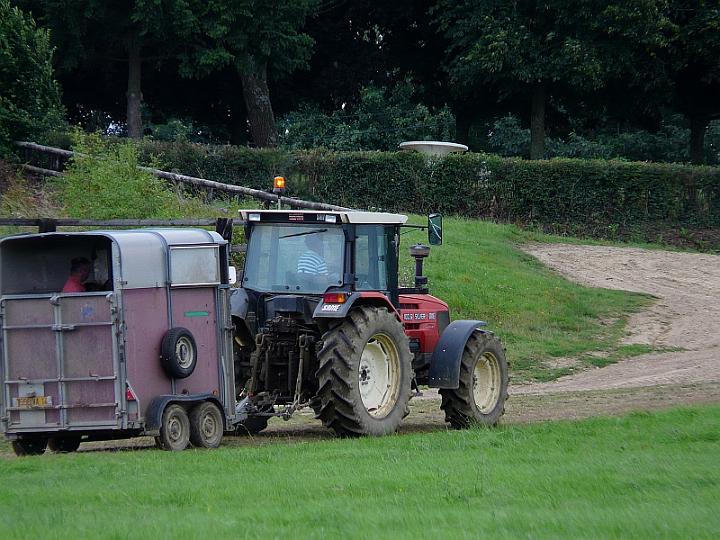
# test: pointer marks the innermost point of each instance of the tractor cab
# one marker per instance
(311, 253)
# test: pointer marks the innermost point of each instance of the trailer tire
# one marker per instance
(29, 447)
(178, 353)
(206, 425)
(480, 397)
(66, 444)
(364, 374)
(174, 429)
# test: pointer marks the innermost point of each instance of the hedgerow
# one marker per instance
(558, 191)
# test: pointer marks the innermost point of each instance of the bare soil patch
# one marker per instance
(686, 314)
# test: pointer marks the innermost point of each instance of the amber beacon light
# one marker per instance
(279, 184)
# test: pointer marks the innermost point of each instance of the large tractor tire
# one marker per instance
(480, 398)
(364, 374)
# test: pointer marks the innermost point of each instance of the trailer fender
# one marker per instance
(325, 310)
(446, 358)
(155, 409)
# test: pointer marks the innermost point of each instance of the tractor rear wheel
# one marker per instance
(364, 374)
(480, 398)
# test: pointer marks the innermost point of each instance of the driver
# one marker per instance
(312, 261)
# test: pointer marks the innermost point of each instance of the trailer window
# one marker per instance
(195, 265)
(41, 264)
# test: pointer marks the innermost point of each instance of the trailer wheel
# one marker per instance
(29, 447)
(174, 430)
(178, 353)
(480, 398)
(66, 444)
(206, 425)
(364, 374)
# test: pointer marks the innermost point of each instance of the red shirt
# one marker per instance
(73, 285)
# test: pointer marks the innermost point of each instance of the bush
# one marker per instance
(102, 181)
(29, 96)
(382, 119)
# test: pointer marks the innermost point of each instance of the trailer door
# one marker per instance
(60, 362)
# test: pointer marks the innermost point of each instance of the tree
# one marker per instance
(29, 95)
(541, 48)
(96, 34)
(694, 61)
(254, 37)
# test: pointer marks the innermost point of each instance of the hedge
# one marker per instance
(557, 191)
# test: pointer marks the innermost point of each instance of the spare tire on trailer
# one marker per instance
(178, 353)
(364, 374)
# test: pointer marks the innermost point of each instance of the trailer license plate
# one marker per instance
(32, 402)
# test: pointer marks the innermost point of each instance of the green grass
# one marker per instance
(482, 274)
(641, 476)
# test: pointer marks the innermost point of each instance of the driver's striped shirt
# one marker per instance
(312, 263)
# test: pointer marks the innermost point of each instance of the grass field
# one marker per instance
(482, 274)
(641, 476)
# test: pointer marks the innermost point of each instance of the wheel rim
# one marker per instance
(379, 375)
(486, 382)
(184, 352)
(175, 431)
(209, 426)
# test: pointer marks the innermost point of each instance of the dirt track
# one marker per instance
(686, 315)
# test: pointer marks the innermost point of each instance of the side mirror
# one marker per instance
(232, 275)
(435, 229)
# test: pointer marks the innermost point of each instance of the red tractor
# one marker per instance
(321, 321)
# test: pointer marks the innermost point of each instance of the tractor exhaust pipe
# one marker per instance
(419, 252)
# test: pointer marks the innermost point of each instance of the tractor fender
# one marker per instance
(239, 303)
(446, 358)
(365, 298)
(155, 409)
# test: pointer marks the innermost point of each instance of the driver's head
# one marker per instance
(314, 243)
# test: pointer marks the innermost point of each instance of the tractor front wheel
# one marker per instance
(480, 398)
(364, 374)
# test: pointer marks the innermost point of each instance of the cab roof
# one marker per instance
(313, 216)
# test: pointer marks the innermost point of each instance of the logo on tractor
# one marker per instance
(331, 307)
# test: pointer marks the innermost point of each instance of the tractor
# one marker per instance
(320, 321)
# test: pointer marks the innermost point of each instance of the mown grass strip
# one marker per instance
(643, 475)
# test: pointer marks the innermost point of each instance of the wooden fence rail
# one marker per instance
(183, 179)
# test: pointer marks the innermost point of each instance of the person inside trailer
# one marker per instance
(80, 268)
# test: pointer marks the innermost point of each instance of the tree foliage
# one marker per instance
(537, 48)
(252, 37)
(380, 121)
(29, 95)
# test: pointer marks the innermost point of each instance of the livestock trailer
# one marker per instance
(144, 349)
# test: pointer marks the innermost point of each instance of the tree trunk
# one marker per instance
(537, 122)
(134, 93)
(462, 128)
(698, 127)
(257, 103)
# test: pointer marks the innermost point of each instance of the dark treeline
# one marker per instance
(518, 77)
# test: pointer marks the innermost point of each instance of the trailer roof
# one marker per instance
(383, 218)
